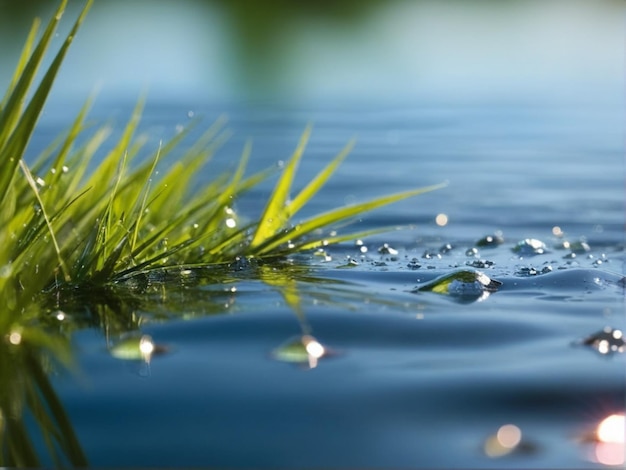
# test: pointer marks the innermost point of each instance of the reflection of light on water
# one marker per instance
(146, 346)
(610, 453)
(610, 450)
(304, 350)
(509, 435)
(504, 441)
(607, 341)
(608, 441)
(315, 349)
(611, 429)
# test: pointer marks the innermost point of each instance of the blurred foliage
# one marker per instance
(260, 33)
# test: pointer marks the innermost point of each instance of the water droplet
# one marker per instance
(15, 338)
(557, 232)
(136, 348)
(303, 350)
(414, 264)
(607, 341)
(5, 271)
(387, 250)
(471, 252)
(431, 255)
(446, 248)
(530, 247)
(480, 263)
(578, 247)
(464, 285)
(490, 241)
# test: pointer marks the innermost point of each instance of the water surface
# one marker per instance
(416, 379)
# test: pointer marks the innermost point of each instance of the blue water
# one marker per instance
(417, 379)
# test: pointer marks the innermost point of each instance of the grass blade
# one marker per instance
(33, 185)
(334, 216)
(314, 186)
(12, 146)
(275, 214)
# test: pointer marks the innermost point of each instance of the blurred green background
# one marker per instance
(568, 51)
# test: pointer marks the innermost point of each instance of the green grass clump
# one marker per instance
(62, 224)
(76, 220)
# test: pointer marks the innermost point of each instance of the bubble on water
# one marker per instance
(530, 247)
(490, 241)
